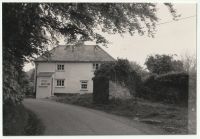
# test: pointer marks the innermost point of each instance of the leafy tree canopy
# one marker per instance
(139, 69)
(27, 25)
(161, 64)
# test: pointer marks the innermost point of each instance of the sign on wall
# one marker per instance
(44, 82)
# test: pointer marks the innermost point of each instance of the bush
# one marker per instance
(78, 99)
(120, 71)
(17, 120)
(174, 79)
(169, 88)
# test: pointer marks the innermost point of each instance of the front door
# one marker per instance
(44, 87)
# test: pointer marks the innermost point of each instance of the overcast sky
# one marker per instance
(177, 37)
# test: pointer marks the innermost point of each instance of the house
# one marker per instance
(68, 69)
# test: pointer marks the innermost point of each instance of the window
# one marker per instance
(44, 82)
(84, 85)
(60, 83)
(60, 67)
(96, 66)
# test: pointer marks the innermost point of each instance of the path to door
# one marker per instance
(64, 119)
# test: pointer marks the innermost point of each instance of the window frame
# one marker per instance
(60, 67)
(61, 84)
(84, 82)
(95, 66)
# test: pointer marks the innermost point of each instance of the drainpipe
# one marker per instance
(35, 79)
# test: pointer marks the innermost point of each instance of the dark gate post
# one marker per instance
(100, 90)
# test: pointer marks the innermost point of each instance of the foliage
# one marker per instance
(120, 71)
(169, 88)
(174, 79)
(17, 120)
(31, 74)
(79, 99)
(139, 69)
(189, 63)
(34, 125)
(161, 64)
(30, 86)
(15, 85)
(79, 20)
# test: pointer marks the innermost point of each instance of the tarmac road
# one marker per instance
(65, 119)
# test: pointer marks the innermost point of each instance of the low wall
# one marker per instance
(118, 91)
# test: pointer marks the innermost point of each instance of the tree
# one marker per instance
(139, 69)
(30, 87)
(161, 64)
(177, 65)
(189, 63)
(28, 28)
(30, 74)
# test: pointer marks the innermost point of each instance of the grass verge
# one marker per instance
(170, 118)
(19, 121)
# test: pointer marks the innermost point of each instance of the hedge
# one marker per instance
(169, 88)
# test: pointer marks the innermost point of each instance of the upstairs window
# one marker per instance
(96, 66)
(60, 67)
(60, 83)
(84, 85)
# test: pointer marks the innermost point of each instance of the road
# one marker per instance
(65, 119)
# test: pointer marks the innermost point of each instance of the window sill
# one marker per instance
(59, 86)
(60, 70)
(84, 90)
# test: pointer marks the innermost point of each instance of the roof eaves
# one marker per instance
(42, 59)
(41, 56)
(106, 53)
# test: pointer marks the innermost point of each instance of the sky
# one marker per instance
(176, 37)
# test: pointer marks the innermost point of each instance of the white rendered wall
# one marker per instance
(73, 74)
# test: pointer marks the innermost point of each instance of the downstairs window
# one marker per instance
(84, 84)
(60, 83)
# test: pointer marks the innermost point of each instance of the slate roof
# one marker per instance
(70, 53)
(45, 74)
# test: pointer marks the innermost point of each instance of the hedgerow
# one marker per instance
(169, 88)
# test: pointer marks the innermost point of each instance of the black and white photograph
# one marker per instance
(76, 68)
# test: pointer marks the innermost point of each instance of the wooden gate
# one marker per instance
(100, 90)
